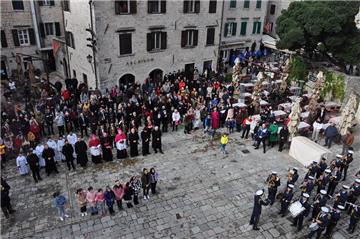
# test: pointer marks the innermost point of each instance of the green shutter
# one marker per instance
(243, 28)
(232, 3)
(233, 33)
(258, 4)
(246, 3)
(226, 29)
(254, 28)
(258, 27)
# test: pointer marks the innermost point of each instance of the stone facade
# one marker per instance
(273, 12)
(244, 14)
(30, 17)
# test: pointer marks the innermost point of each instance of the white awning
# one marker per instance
(270, 42)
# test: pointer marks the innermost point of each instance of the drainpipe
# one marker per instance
(220, 34)
(36, 29)
(93, 47)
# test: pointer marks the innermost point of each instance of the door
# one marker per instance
(51, 61)
(207, 66)
(189, 70)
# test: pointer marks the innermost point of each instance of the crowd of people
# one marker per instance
(316, 191)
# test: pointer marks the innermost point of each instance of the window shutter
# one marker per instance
(210, 36)
(186, 6)
(163, 6)
(212, 6)
(183, 38)
(3, 39)
(15, 37)
(243, 28)
(254, 28)
(259, 27)
(149, 6)
(234, 29)
(57, 29)
(52, 3)
(148, 42)
(125, 43)
(72, 40)
(42, 30)
(195, 32)
(41, 3)
(197, 6)
(163, 40)
(32, 36)
(133, 6)
(117, 9)
(226, 29)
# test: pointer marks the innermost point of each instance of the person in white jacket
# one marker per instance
(58, 152)
(72, 138)
(38, 151)
(175, 119)
(317, 126)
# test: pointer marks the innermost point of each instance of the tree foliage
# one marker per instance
(298, 70)
(326, 27)
(334, 86)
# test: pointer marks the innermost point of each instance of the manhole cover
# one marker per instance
(177, 178)
(245, 151)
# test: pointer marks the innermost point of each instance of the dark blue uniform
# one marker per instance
(321, 168)
(334, 218)
(255, 216)
(354, 219)
(285, 202)
(322, 183)
(324, 222)
(341, 198)
(319, 201)
(353, 196)
(272, 189)
(334, 180)
(298, 220)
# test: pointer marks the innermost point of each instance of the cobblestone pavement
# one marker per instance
(203, 194)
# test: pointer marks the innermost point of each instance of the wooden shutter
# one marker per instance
(243, 28)
(133, 6)
(163, 6)
(31, 36)
(3, 39)
(197, 6)
(57, 29)
(41, 3)
(125, 43)
(258, 4)
(52, 3)
(233, 33)
(196, 33)
(42, 30)
(117, 8)
(186, 6)
(72, 40)
(226, 29)
(258, 27)
(183, 38)
(254, 28)
(210, 37)
(212, 6)
(15, 37)
(246, 3)
(149, 3)
(148, 42)
(163, 40)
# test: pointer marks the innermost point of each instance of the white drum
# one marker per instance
(296, 208)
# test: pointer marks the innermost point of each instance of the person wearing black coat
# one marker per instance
(33, 161)
(106, 147)
(145, 182)
(5, 202)
(258, 203)
(49, 154)
(298, 220)
(156, 140)
(81, 152)
(84, 123)
(68, 152)
(128, 192)
(145, 139)
(283, 137)
(133, 141)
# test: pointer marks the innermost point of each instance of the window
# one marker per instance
(156, 6)
(243, 28)
(156, 41)
(85, 78)
(69, 38)
(125, 43)
(66, 5)
(74, 73)
(191, 6)
(18, 4)
(47, 3)
(189, 38)
(49, 28)
(230, 29)
(23, 37)
(207, 66)
(224, 54)
(246, 3)
(3, 39)
(258, 3)
(125, 7)
(210, 36)
(272, 9)
(232, 3)
(256, 27)
(212, 6)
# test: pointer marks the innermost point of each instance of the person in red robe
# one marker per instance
(95, 149)
(35, 129)
(215, 121)
(120, 143)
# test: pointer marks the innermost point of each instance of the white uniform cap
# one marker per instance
(295, 168)
(357, 180)
(350, 152)
(259, 192)
(345, 186)
(274, 173)
(323, 192)
(305, 195)
(327, 170)
(290, 186)
(339, 156)
(325, 209)
(341, 207)
(311, 177)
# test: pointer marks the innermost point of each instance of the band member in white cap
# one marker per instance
(334, 180)
(320, 223)
(319, 201)
(334, 218)
(354, 218)
(298, 220)
(323, 180)
(286, 199)
(354, 193)
(342, 196)
(258, 203)
(273, 182)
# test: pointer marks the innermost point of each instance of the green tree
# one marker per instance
(324, 27)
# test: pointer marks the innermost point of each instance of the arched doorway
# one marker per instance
(156, 75)
(127, 79)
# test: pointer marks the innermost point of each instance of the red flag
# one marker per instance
(55, 47)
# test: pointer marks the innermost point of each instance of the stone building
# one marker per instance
(273, 12)
(242, 24)
(27, 30)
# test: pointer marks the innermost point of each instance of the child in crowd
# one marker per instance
(100, 202)
(91, 198)
(223, 142)
(81, 199)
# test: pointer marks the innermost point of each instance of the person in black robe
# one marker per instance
(145, 139)
(68, 152)
(106, 147)
(81, 152)
(49, 154)
(156, 140)
(34, 163)
(133, 141)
